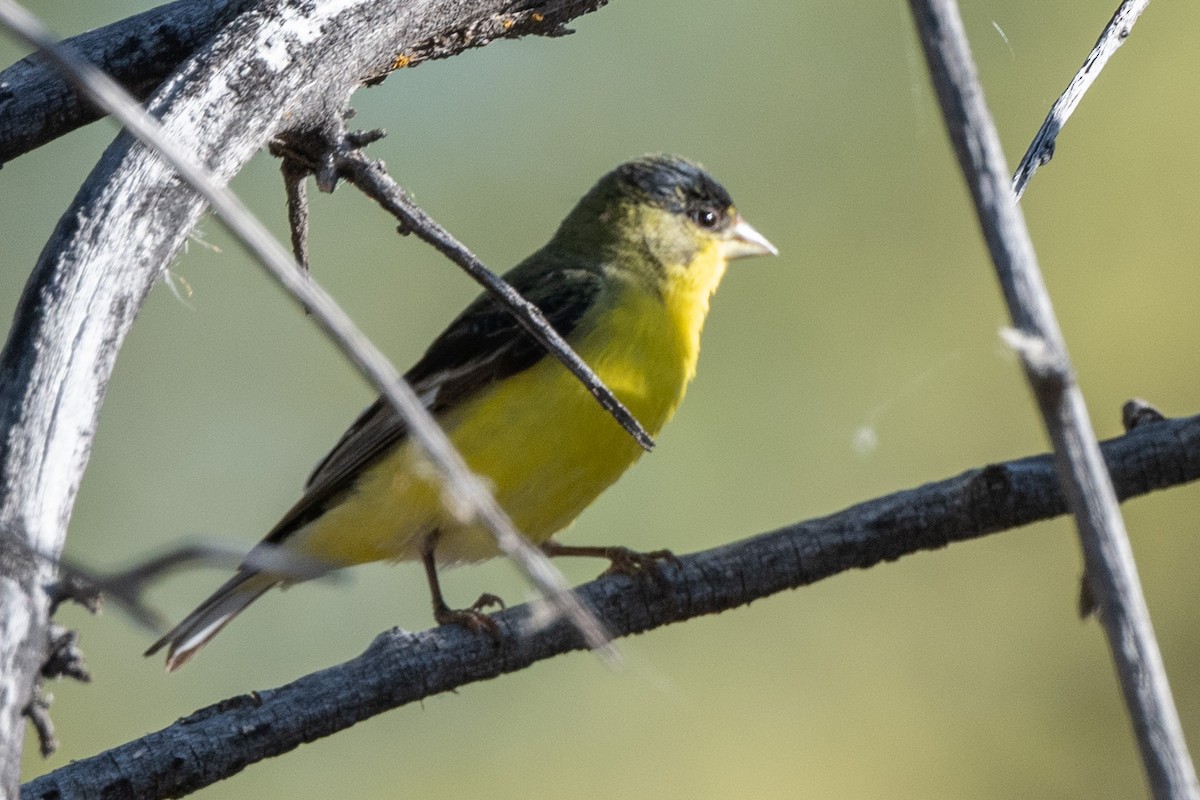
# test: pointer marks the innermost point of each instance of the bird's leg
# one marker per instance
(622, 560)
(473, 618)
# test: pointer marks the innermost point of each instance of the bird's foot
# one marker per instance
(641, 566)
(622, 560)
(473, 618)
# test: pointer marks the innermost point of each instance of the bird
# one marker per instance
(626, 280)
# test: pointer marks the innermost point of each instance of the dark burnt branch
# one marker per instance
(38, 104)
(400, 668)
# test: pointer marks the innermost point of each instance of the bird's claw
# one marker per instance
(485, 601)
(473, 618)
(624, 561)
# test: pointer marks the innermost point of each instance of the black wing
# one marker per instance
(484, 344)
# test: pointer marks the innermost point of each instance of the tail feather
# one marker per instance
(185, 639)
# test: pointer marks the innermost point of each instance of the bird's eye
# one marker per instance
(704, 217)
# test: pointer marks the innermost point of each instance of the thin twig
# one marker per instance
(1041, 149)
(1134, 413)
(345, 159)
(295, 186)
(400, 668)
(38, 714)
(466, 489)
(127, 587)
(1108, 558)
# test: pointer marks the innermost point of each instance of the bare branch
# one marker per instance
(1108, 558)
(62, 658)
(38, 714)
(400, 668)
(1041, 149)
(1134, 412)
(39, 104)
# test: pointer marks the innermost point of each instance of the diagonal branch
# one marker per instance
(400, 668)
(345, 159)
(1041, 149)
(1108, 557)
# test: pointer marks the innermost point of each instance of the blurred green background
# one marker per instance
(960, 673)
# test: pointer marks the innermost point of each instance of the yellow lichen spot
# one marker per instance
(508, 23)
(536, 17)
(401, 61)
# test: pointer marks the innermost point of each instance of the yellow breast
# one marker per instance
(540, 439)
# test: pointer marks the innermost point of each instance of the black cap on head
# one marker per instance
(673, 183)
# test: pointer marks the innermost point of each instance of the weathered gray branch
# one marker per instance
(282, 68)
(1108, 557)
(400, 668)
(1041, 149)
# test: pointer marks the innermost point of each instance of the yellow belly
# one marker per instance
(538, 437)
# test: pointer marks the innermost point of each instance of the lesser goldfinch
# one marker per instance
(626, 280)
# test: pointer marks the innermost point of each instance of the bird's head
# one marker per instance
(663, 219)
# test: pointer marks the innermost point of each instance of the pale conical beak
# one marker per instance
(742, 241)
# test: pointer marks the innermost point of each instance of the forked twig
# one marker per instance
(127, 587)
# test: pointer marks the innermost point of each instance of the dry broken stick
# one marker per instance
(63, 659)
(38, 713)
(1037, 339)
(345, 160)
(295, 186)
(1041, 149)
